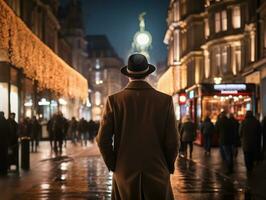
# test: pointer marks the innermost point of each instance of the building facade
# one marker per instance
(105, 77)
(213, 42)
(35, 80)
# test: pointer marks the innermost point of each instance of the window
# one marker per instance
(238, 58)
(217, 22)
(176, 11)
(97, 65)
(4, 98)
(218, 59)
(97, 98)
(176, 46)
(98, 79)
(224, 20)
(224, 59)
(14, 100)
(183, 7)
(184, 41)
(236, 17)
(207, 28)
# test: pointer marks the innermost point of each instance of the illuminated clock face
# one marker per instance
(143, 39)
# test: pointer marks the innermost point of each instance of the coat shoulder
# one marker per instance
(163, 95)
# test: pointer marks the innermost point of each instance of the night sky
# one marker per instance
(118, 19)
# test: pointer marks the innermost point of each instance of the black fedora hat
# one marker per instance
(137, 67)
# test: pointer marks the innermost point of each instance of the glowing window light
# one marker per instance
(62, 101)
(43, 102)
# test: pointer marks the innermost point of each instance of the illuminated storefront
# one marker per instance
(9, 95)
(211, 99)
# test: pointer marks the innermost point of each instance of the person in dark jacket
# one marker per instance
(235, 125)
(250, 133)
(187, 135)
(35, 134)
(58, 129)
(50, 130)
(82, 129)
(91, 129)
(4, 132)
(72, 130)
(207, 129)
(224, 128)
(13, 138)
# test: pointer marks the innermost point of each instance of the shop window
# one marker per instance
(14, 100)
(238, 105)
(217, 22)
(4, 98)
(236, 17)
(224, 20)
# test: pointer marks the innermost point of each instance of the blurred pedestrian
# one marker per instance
(250, 133)
(236, 139)
(72, 129)
(181, 145)
(35, 134)
(207, 129)
(224, 128)
(50, 130)
(137, 137)
(82, 129)
(13, 138)
(188, 135)
(58, 128)
(65, 134)
(4, 132)
(91, 130)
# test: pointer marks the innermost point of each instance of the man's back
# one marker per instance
(143, 123)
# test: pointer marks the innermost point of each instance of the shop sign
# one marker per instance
(230, 88)
(182, 99)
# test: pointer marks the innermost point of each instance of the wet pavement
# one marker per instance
(80, 173)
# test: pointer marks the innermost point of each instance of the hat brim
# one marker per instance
(125, 72)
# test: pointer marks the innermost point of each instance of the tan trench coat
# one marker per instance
(138, 141)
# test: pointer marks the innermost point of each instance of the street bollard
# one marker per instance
(25, 153)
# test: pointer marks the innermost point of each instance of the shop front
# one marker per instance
(211, 99)
(9, 90)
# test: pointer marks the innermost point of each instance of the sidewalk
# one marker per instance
(255, 183)
(39, 169)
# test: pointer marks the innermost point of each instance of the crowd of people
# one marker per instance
(250, 134)
(59, 129)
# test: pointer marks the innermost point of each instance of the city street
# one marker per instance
(81, 174)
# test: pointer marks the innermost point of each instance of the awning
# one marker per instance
(39, 62)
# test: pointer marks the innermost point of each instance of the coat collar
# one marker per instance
(139, 85)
